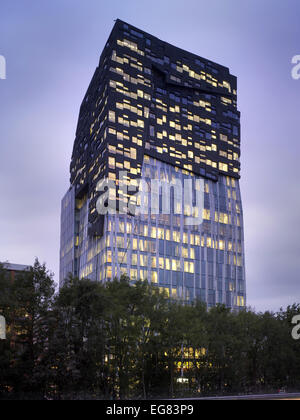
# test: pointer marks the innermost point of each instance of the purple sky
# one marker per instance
(52, 49)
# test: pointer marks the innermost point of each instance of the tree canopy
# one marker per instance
(124, 340)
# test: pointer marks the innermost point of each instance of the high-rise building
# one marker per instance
(157, 116)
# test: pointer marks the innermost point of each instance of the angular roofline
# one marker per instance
(119, 21)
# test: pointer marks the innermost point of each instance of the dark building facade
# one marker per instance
(154, 111)
(15, 269)
(12, 271)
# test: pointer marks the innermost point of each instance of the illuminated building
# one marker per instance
(157, 112)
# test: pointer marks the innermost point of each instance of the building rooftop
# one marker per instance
(16, 267)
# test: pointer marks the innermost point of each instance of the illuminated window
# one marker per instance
(109, 272)
(223, 167)
(132, 153)
(185, 252)
(144, 260)
(176, 236)
(206, 214)
(227, 85)
(186, 266)
(185, 238)
(240, 301)
(165, 290)
(175, 265)
(221, 245)
(153, 262)
(134, 259)
(111, 162)
(161, 233)
(191, 268)
(154, 277)
(112, 116)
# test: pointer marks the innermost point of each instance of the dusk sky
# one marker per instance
(52, 49)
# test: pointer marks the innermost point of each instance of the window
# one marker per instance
(176, 236)
(111, 162)
(206, 214)
(109, 273)
(161, 233)
(175, 265)
(122, 257)
(153, 262)
(134, 259)
(141, 124)
(112, 116)
(154, 277)
(120, 242)
(223, 167)
(143, 260)
(240, 301)
(133, 153)
(185, 252)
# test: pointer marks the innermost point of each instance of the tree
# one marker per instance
(27, 302)
(126, 339)
(77, 347)
(6, 351)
